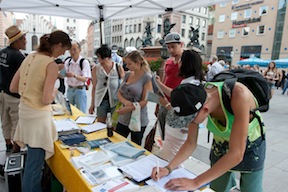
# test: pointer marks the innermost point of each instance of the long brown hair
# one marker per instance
(48, 40)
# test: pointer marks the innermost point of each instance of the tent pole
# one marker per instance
(100, 23)
(100, 27)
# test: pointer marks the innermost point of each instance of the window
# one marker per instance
(221, 18)
(190, 20)
(197, 22)
(126, 29)
(139, 27)
(159, 28)
(197, 9)
(203, 37)
(234, 16)
(263, 10)
(247, 13)
(223, 4)
(220, 34)
(204, 10)
(67, 20)
(135, 27)
(261, 30)
(183, 18)
(204, 23)
(245, 31)
(130, 29)
(232, 33)
(235, 1)
(183, 32)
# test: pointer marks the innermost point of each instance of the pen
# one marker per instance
(157, 170)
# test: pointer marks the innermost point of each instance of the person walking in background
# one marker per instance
(176, 129)
(271, 75)
(214, 69)
(285, 84)
(171, 78)
(10, 60)
(77, 76)
(105, 81)
(115, 57)
(136, 84)
(237, 143)
(35, 81)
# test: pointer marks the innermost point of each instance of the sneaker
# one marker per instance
(9, 148)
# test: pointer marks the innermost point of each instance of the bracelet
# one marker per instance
(169, 169)
(167, 105)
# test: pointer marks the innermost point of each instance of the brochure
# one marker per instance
(66, 126)
(128, 151)
(86, 120)
(90, 160)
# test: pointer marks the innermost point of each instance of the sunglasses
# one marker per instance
(105, 83)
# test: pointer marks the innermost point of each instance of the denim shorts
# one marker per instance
(104, 108)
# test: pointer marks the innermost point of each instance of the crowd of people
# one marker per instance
(28, 87)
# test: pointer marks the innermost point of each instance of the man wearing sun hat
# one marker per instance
(114, 56)
(10, 60)
(237, 144)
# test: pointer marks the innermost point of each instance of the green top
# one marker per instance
(222, 133)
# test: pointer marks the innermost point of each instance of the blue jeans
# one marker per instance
(249, 182)
(104, 108)
(33, 170)
(78, 98)
(285, 87)
(136, 137)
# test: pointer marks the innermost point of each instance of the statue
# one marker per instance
(147, 39)
(194, 38)
(167, 27)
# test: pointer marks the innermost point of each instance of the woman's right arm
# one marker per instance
(14, 86)
(50, 91)
(94, 82)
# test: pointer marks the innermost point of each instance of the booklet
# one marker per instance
(156, 87)
(90, 160)
(86, 120)
(97, 142)
(127, 151)
(93, 127)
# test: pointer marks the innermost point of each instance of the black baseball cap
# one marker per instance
(188, 99)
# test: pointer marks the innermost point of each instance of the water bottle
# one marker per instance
(109, 125)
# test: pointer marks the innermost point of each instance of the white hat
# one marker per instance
(130, 49)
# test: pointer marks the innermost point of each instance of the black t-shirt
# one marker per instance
(10, 61)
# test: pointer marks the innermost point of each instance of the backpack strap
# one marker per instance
(226, 98)
(227, 93)
(117, 68)
(80, 63)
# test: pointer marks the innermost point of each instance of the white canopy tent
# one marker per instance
(100, 10)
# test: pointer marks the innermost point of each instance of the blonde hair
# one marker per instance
(137, 56)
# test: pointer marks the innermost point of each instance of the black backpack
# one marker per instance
(254, 81)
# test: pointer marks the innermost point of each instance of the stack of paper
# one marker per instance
(141, 169)
(90, 160)
(66, 126)
(116, 185)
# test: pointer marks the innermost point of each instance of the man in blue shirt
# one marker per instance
(114, 56)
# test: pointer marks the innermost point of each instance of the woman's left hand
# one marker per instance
(181, 184)
(125, 109)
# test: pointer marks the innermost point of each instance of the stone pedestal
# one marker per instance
(155, 52)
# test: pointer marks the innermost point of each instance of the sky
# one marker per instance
(83, 24)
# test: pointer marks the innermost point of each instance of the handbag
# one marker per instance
(115, 115)
(135, 120)
(149, 141)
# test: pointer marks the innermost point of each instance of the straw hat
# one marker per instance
(14, 33)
